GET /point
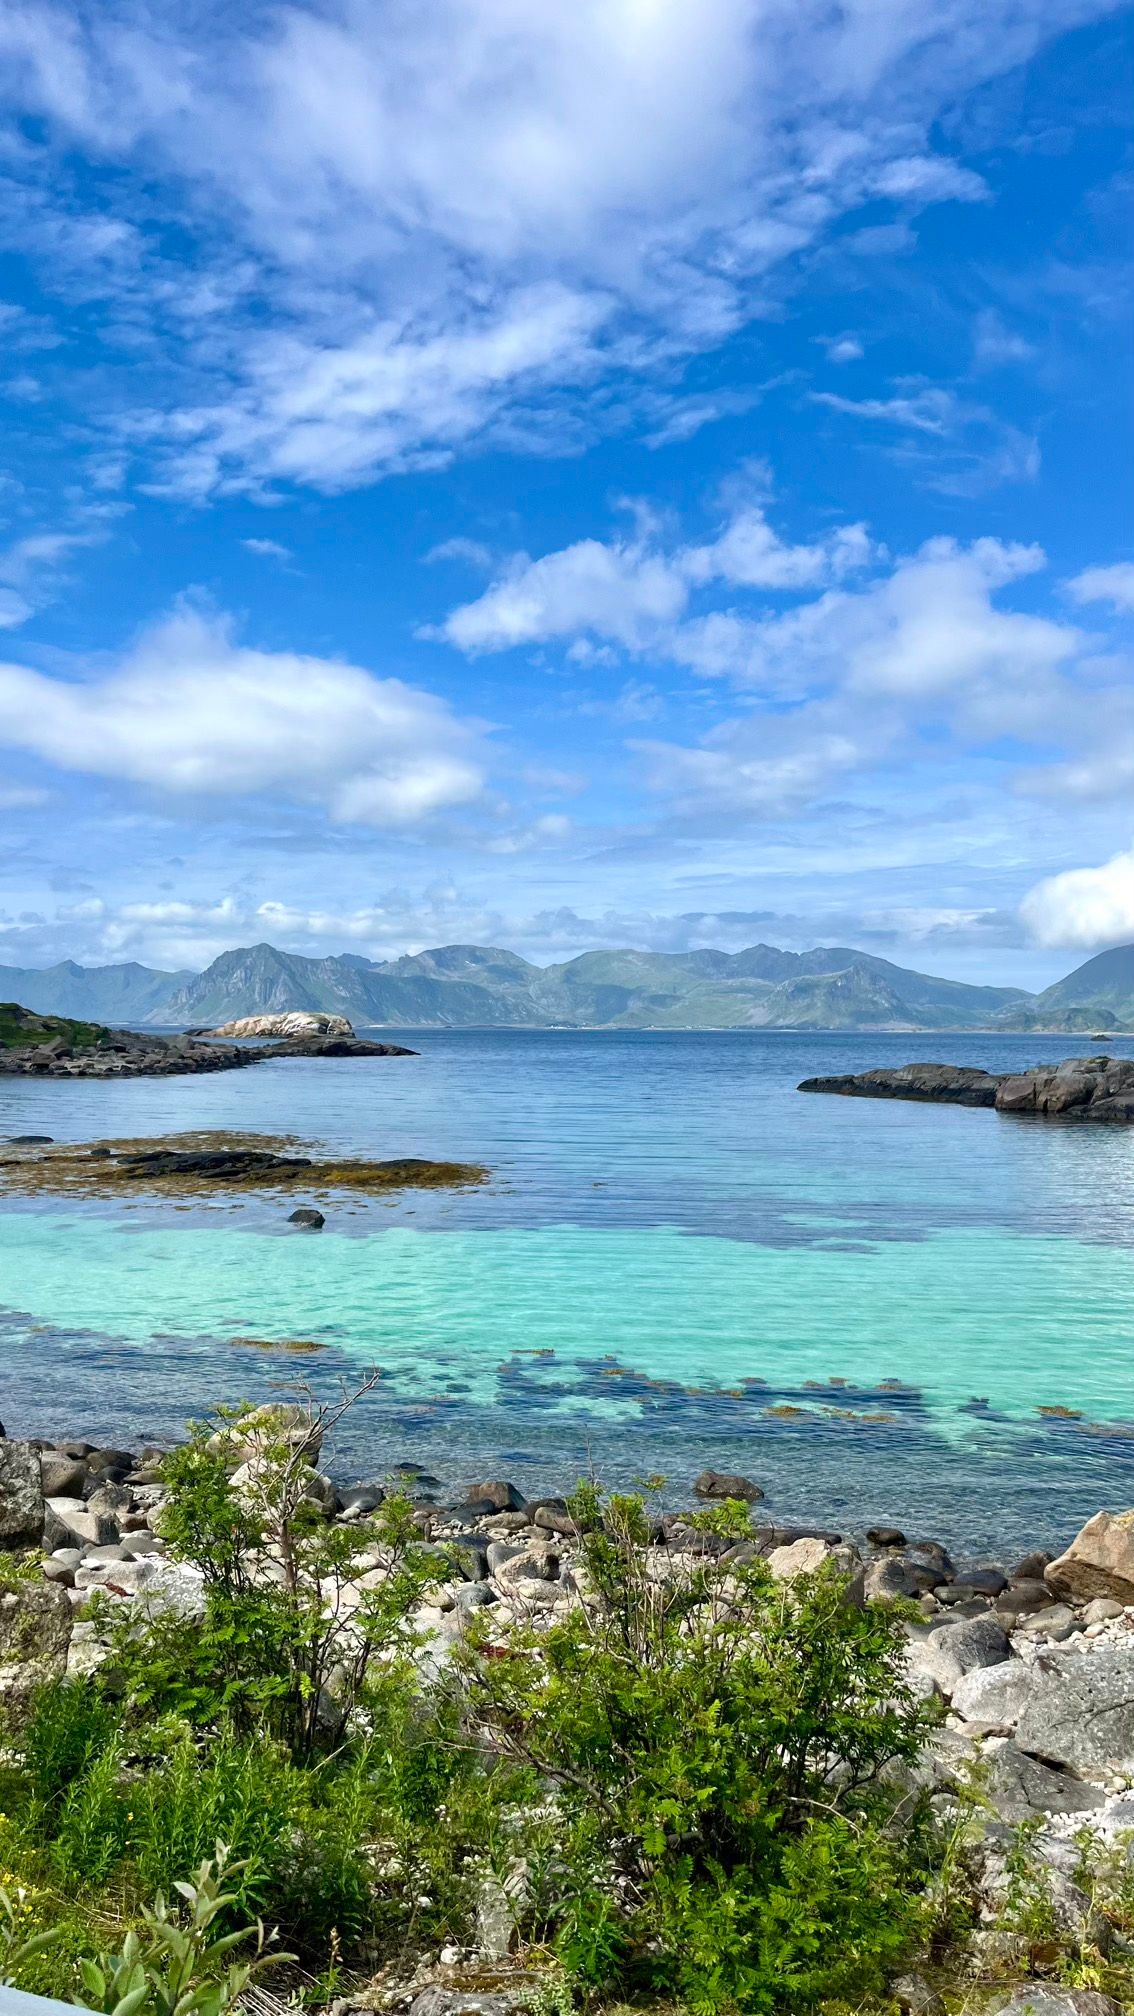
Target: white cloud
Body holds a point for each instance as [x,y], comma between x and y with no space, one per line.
[31,569]
[957,446]
[397,396]
[843,350]
[445,208]
[1113,584]
[930,178]
[1086,907]
[926,630]
[189,711]
[633,592]
[764,768]
[621,591]
[995,344]
[267,549]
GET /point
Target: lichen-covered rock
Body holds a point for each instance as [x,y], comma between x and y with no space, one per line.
[1099,1561]
[21,1495]
[975,1642]
[35,1632]
[296,1022]
[1038,1998]
[1080,1714]
[993,1698]
[1019,1787]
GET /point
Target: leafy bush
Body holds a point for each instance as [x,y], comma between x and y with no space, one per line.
[297,1609]
[715,1741]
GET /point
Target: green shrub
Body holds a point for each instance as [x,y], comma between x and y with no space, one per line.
[715,1741]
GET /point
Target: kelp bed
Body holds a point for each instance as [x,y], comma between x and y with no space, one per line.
[203,1164]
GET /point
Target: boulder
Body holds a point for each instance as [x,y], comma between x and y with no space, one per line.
[35,1632]
[1080,1713]
[915,1996]
[891,1578]
[1057,1621]
[523,1564]
[993,1698]
[976,1641]
[470,1554]
[77,1522]
[499,1496]
[808,1556]
[21,1495]
[61,1476]
[1019,1787]
[1038,1998]
[725,1484]
[1099,1561]
[360,1499]
[111,1459]
[953,1650]
[1024,1597]
[438,2001]
[307,1219]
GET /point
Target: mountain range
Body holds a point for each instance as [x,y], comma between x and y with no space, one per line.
[476,986]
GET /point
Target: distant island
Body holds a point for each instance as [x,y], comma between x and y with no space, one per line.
[477,986]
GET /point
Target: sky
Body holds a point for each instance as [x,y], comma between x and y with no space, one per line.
[647,472]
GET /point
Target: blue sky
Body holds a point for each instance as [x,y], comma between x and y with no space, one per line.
[636,473]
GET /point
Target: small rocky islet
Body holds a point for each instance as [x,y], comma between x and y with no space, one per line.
[57,1046]
[204,1163]
[1080,1089]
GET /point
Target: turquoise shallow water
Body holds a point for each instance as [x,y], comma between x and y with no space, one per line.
[679,1259]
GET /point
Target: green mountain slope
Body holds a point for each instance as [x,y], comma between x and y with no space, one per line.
[118,994]
[1097,995]
[484,986]
[477,986]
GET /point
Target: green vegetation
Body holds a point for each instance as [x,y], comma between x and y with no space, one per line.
[691,1789]
[21,1028]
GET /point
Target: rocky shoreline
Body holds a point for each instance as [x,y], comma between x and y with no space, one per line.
[1080,1089]
[1030,1663]
[125,1053]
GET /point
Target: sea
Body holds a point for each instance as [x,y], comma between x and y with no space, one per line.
[881,1312]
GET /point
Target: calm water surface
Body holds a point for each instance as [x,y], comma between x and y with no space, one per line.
[678,1260]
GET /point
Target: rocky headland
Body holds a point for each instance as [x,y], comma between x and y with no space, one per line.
[1099,1089]
[55,1046]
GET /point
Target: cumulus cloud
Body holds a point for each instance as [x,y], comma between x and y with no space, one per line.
[927,627]
[446,208]
[634,592]
[191,712]
[1085,907]
[1114,585]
